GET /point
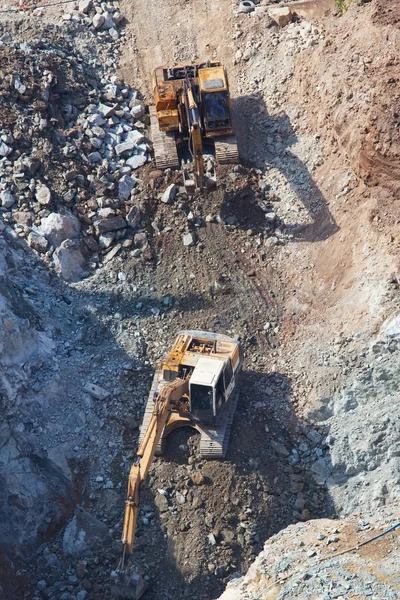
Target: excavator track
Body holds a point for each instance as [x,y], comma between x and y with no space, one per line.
[226,150]
[164,145]
[214,440]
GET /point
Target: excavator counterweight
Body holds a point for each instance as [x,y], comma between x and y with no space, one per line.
[191,122]
[195,386]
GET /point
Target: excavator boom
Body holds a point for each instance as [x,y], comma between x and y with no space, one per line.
[125,581]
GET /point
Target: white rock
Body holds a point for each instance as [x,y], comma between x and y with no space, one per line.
[136,161]
[188,239]
[43,195]
[113,33]
[124,147]
[169,194]
[135,137]
[98,21]
[85,6]
[108,21]
[69,260]
[56,227]
[7,198]
[125,186]
[4,149]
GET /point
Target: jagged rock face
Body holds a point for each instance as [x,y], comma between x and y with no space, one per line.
[362,464]
[34,492]
[299,562]
[23,345]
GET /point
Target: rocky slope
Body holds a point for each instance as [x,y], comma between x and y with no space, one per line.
[307,561]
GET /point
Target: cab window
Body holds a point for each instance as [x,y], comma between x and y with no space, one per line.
[201,400]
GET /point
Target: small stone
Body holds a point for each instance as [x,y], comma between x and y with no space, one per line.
[321,536]
[169,194]
[134,217]
[198,478]
[125,186]
[136,161]
[7,199]
[96,391]
[98,21]
[37,242]
[85,6]
[95,157]
[280,448]
[4,149]
[43,195]
[41,585]
[180,498]
[188,240]
[110,224]
[113,33]
[311,553]
[211,539]
[124,147]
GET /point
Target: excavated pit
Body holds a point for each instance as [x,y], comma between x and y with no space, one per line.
[276,255]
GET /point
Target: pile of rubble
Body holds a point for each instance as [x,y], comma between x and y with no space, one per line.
[70,144]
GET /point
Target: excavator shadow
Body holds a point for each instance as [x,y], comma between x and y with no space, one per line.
[271,147]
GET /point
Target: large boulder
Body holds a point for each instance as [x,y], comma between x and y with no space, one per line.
[70,260]
[84,534]
[35,496]
[58,227]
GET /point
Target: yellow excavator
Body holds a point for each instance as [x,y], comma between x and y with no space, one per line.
[191,122]
[195,386]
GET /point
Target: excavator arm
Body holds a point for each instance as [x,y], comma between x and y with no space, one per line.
[125,582]
[195,133]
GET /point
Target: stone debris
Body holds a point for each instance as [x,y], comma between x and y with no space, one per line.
[96,391]
[102,141]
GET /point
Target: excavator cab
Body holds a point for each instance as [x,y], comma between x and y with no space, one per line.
[210,387]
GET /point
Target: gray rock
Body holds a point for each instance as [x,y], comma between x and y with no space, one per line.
[70,260]
[43,195]
[134,217]
[85,6]
[37,242]
[4,149]
[169,194]
[96,391]
[105,110]
[113,33]
[135,137]
[7,199]
[96,120]
[108,21]
[110,224]
[180,498]
[280,448]
[95,157]
[98,21]
[124,147]
[125,186]
[136,161]
[84,535]
[321,470]
[59,227]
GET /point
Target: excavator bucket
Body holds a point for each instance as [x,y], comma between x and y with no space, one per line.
[127,584]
